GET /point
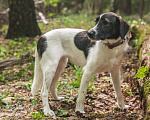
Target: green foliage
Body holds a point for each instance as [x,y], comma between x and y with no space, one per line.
[78,74]
[142,72]
[135,30]
[1,101]
[138,35]
[82,20]
[37,115]
[9,104]
[61,85]
[34,100]
[16,96]
[51,14]
[52,2]
[3,51]
[148,54]
[2,78]
[68,99]
[62,113]
[28,86]
[16,47]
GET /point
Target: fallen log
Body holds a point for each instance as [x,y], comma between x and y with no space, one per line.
[18,60]
[145,83]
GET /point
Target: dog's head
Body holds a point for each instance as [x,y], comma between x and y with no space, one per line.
[108,26]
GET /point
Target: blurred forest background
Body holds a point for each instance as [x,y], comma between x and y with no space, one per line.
[22,22]
[51,8]
[18,10]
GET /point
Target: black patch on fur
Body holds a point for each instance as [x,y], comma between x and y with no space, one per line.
[107,27]
[83,43]
[41,46]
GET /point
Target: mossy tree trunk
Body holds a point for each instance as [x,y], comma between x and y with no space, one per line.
[22,19]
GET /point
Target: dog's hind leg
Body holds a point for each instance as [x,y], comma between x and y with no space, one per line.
[38,76]
[60,68]
[49,68]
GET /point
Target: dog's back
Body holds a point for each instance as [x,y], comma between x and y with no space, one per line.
[99,49]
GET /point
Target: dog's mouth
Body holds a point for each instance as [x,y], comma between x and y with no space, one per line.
[93,36]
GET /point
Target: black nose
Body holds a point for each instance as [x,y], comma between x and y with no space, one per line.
[91,33]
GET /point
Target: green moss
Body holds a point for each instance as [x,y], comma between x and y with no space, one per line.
[135,31]
[139,34]
[140,44]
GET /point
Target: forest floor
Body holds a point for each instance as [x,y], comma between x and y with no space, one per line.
[100,104]
[16,101]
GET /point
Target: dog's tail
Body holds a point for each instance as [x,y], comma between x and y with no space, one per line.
[38,76]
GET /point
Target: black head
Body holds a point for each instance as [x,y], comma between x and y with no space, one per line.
[108,26]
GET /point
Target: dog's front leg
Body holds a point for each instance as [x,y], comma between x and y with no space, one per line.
[82,91]
[115,74]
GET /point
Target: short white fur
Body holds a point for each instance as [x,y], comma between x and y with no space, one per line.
[60,48]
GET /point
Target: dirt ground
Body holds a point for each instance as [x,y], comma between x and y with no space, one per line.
[100,103]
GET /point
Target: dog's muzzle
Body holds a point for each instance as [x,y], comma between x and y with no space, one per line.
[93,35]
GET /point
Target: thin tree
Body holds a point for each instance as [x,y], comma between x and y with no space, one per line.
[22,19]
[141,8]
[125,7]
[114,5]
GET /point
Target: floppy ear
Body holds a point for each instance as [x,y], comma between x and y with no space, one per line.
[96,20]
[124,28]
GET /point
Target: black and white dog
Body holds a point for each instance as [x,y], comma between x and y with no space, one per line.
[99,49]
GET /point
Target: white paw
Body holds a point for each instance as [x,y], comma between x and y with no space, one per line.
[32,92]
[49,113]
[124,106]
[127,106]
[115,96]
[80,111]
[60,98]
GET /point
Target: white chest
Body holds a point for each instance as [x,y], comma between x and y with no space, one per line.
[105,59]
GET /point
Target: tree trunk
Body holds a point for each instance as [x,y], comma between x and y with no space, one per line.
[22,19]
[125,7]
[93,7]
[114,5]
[141,8]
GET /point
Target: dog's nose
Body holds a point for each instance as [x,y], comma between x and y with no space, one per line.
[91,33]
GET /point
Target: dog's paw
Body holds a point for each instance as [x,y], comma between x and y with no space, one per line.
[126,106]
[49,113]
[32,92]
[60,98]
[122,107]
[79,111]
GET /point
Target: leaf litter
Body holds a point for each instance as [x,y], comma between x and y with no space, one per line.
[100,103]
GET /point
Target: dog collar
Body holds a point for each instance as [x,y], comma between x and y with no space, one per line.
[120,41]
[112,45]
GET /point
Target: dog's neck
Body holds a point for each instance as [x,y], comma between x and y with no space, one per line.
[112,43]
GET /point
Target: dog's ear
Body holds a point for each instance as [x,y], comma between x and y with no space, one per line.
[124,28]
[96,20]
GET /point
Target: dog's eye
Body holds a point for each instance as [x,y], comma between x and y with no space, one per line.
[105,22]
